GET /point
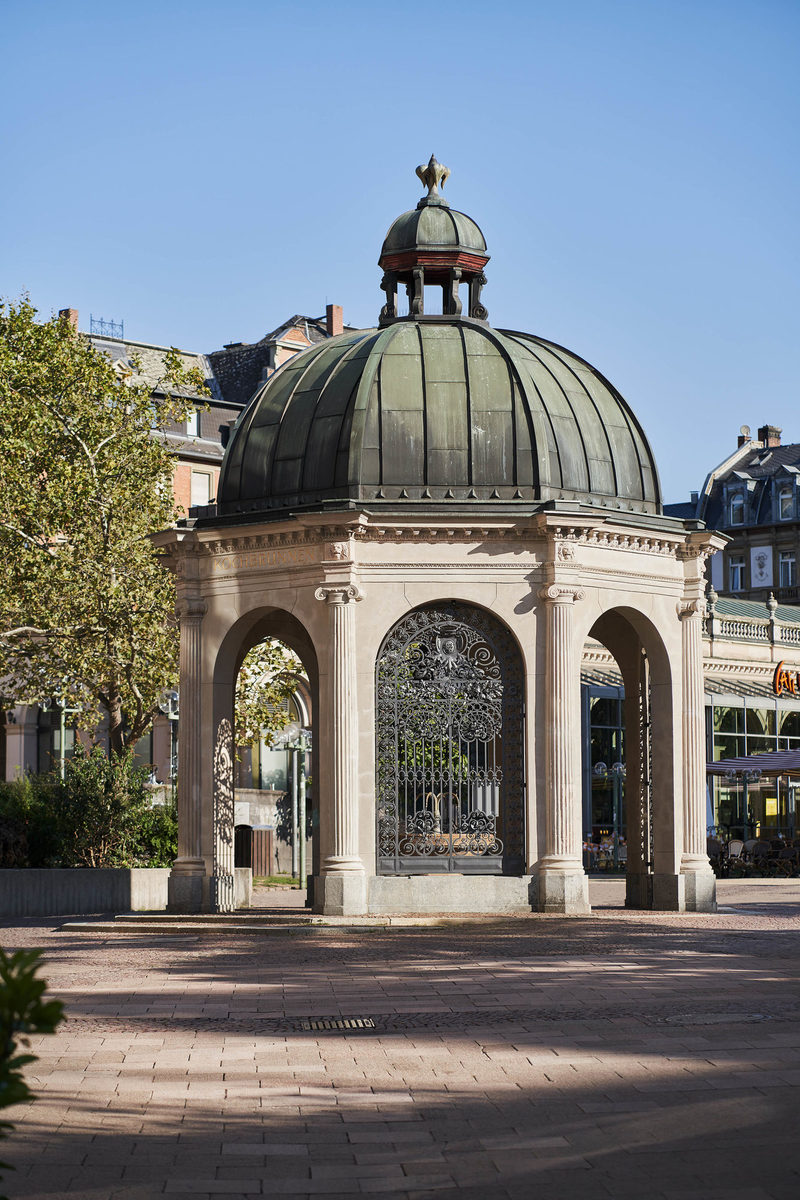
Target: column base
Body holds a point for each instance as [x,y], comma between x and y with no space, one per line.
[638,890]
[669,893]
[700,890]
[559,891]
[186,891]
[341,894]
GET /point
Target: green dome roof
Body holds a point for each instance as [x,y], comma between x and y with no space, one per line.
[437,412]
[433,227]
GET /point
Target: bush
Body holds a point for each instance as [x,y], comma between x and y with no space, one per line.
[23,1010]
[99,815]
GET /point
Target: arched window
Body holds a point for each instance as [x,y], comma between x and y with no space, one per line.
[785,504]
[737,509]
[449,724]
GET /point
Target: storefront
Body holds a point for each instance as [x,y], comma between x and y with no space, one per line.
[752,706]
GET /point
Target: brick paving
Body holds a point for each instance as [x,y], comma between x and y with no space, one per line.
[622,1055]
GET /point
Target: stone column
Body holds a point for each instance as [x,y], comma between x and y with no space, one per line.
[562,885]
[188,870]
[700,884]
[343,879]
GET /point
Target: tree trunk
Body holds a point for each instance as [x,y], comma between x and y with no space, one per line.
[116,731]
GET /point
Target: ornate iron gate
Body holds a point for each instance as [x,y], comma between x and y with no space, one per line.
[449,723]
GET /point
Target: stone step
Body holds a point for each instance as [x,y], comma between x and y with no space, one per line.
[200,924]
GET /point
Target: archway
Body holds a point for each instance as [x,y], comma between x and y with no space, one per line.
[203,874]
[449,744]
[643,810]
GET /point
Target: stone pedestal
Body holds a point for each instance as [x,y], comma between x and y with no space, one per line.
[561,883]
[341,888]
[700,883]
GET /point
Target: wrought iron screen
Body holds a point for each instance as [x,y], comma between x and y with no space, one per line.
[449,721]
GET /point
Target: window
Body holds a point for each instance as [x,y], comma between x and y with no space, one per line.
[787,569]
[737,509]
[201,488]
[736,573]
[785,504]
[193,424]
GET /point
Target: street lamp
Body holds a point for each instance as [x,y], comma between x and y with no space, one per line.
[169,705]
[297,739]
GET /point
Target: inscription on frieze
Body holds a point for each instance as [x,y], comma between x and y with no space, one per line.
[259,558]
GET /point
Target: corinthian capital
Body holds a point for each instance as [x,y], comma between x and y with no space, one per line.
[339,593]
[557,593]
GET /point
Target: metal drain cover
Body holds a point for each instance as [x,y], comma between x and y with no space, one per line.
[318,1023]
[729,1018]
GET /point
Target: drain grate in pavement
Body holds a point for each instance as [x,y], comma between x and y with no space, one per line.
[317,1024]
[717,1018]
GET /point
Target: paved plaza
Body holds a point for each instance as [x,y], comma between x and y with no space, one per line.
[626,1054]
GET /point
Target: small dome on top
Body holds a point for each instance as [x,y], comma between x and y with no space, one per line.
[438,227]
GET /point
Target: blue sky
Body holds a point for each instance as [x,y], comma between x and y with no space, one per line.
[203,171]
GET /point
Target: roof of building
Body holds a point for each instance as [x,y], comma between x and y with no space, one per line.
[435,410]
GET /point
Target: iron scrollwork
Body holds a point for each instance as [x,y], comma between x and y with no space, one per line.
[449,744]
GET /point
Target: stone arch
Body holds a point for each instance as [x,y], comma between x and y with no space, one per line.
[217,817]
[650,670]
[449,727]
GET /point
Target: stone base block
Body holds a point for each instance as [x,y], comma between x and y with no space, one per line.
[700,890]
[447,893]
[185,893]
[564,892]
[669,893]
[638,890]
[341,895]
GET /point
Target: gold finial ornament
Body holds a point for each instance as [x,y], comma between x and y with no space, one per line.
[433,177]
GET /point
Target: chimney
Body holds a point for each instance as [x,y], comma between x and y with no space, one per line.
[770,435]
[71,316]
[333,319]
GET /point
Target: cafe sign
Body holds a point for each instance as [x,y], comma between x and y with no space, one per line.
[785,680]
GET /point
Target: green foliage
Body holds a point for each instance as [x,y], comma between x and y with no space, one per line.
[86,610]
[266,682]
[23,1011]
[100,815]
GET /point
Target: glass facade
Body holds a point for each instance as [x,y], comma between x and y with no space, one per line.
[763,808]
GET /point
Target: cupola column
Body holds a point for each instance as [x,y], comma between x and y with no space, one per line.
[700,884]
[562,885]
[343,878]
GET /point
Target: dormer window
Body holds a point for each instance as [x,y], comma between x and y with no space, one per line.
[193,424]
[737,509]
[785,504]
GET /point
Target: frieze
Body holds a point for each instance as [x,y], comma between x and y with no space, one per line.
[267,556]
[609,539]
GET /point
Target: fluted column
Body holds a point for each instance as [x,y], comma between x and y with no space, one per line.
[343,732]
[700,886]
[190,747]
[562,884]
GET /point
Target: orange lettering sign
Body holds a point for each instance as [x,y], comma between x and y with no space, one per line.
[785,681]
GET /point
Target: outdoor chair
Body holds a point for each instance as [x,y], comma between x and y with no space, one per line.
[785,863]
[760,857]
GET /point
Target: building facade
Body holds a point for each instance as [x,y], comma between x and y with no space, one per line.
[753,498]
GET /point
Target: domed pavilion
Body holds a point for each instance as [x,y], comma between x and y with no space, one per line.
[436,515]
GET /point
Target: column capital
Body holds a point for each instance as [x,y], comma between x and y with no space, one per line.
[557,593]
[191,606]
[690,608]
[339,593]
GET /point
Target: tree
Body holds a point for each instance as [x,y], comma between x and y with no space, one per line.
[267,680]
[24,1010]
[86,610]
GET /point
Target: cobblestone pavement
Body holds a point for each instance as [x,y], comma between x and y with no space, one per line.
[623,1055]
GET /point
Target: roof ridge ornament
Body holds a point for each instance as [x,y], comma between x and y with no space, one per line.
[433,177]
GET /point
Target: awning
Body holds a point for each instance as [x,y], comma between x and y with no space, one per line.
[776,762]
